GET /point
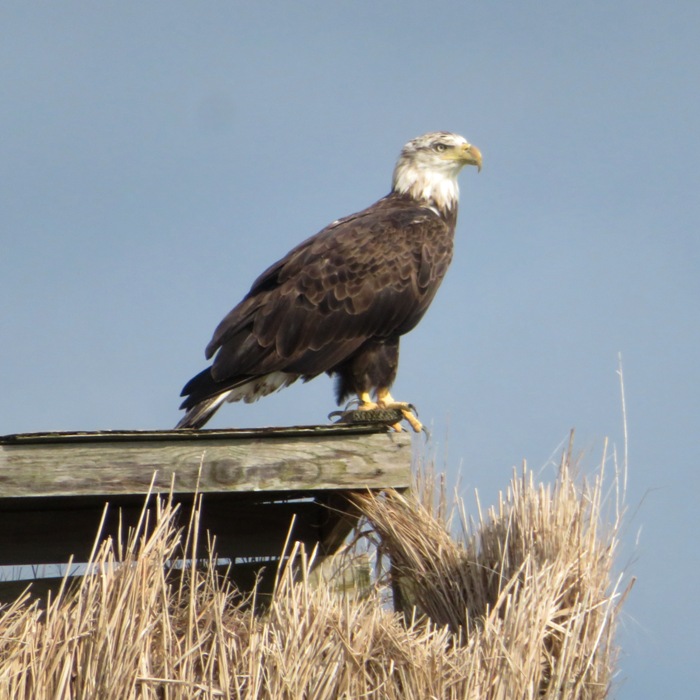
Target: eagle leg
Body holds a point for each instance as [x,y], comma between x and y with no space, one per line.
[365,402]
[381,407]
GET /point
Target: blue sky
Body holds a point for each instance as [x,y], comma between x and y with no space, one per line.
[155,157]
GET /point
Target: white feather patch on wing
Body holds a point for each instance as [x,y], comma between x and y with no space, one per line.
[260,386]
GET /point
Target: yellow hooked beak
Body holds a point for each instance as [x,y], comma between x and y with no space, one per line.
[469,155]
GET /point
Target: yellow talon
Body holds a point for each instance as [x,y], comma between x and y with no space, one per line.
[386,400]
[366,403]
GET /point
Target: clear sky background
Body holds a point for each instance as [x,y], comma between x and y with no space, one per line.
[155,157]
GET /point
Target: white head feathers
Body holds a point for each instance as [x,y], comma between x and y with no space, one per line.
[428,166]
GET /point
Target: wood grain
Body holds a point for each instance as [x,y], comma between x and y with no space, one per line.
[84,464]
[54,487]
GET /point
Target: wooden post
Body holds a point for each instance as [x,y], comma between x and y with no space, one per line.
[53,486]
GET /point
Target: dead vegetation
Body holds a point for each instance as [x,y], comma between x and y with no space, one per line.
[522,604]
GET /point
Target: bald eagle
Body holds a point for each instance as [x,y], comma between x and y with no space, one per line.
[340,301]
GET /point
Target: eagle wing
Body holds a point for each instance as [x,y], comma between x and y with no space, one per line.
[370,275]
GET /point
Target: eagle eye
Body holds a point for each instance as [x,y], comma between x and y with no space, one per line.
[440,147]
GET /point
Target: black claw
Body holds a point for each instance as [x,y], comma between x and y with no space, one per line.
[344,416]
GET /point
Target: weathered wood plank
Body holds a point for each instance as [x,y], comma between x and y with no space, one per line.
[123,462]
[53,487]
[306,431]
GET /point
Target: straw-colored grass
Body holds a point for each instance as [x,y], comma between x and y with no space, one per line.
[522,605]
[527,593]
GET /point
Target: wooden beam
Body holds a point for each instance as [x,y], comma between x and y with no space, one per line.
[123,462]
[54,486]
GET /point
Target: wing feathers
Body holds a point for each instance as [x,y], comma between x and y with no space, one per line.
[371,275]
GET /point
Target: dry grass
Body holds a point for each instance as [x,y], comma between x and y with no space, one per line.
[521,606]
[527,593]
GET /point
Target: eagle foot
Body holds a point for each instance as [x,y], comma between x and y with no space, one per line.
[386,410]
[408,413]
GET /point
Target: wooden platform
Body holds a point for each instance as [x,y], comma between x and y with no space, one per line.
[54,486]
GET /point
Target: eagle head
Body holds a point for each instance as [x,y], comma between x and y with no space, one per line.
[428,166]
